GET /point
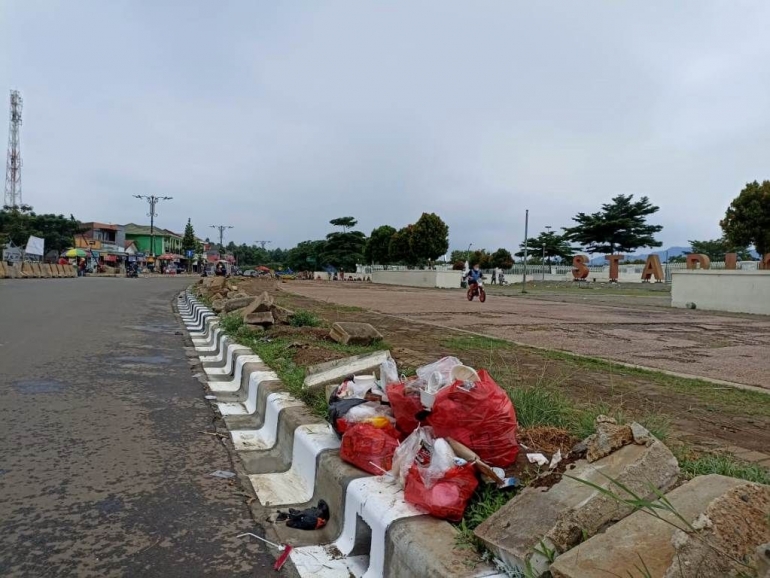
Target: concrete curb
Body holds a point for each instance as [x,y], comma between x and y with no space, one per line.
[291,458]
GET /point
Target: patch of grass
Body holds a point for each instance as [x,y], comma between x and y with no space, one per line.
[304,318]
[473,342]
[352,349]
[205,300]
[231,323]
[693,464]
[541,406]
[745,402]
[486,500]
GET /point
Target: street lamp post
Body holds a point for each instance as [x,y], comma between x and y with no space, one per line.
[526,233]
[152,200]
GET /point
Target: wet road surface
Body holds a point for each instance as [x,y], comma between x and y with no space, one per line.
[103,471]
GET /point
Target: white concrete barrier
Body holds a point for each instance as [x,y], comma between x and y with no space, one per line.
[419,278]
[726,290]
[297,485]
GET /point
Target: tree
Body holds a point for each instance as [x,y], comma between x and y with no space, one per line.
[344,249]
[430,237]
[344,222]
[621,226]
[18,223]
[556,247]
[716,249]
[747,220]
[306,255]
[377,248]
[482,258]
[400,247]
[502,259]
[189,242]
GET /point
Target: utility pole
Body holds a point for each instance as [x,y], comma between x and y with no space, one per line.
[548,232]
[221,229]
[263,243]
[526,233]
[13,163]
[152,200]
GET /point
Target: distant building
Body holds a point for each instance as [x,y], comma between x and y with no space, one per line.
[165,241]
[106,242]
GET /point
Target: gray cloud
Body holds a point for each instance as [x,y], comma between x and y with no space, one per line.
[276,117]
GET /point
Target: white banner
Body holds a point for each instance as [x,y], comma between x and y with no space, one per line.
[35,246]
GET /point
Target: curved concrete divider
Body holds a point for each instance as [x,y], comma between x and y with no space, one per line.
[297,485]
[206,328]
[249,405]
[378,502]
[211,335]
[234,385]
[292,458]
[266,436]
[200,324]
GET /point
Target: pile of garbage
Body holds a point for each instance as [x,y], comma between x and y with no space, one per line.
[435,433]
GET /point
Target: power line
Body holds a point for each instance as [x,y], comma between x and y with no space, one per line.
[13,163]
[152,200]
[221,229]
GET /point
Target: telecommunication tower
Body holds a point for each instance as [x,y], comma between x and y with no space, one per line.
[13,164]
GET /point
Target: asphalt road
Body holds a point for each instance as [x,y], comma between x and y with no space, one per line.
[102,469]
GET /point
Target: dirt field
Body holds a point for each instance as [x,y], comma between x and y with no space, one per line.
[704,415]
[631,329]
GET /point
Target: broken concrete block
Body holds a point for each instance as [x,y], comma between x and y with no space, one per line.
[349,333]
[238,303]
[217,283]
[540,520]
[218,305]
[609,437]
[260,303]
[260,318]
[281,315]
[734,523]
[640,537]
[335,371]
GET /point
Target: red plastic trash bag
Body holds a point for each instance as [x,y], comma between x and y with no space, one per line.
[479,415]
[405,406]
[447,498]
[369,448]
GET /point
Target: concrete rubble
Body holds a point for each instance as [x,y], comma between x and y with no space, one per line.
[263,318]
[349,333]
[237,303]
[336,371]
[540,522]
[719,537]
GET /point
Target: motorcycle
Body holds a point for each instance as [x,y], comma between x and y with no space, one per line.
[477,289]
[132,272]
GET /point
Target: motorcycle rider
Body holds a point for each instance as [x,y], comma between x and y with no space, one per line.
[473,276]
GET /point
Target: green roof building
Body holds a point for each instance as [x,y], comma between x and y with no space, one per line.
[165,241]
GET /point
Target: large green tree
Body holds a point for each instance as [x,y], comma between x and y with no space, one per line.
[747,220]
[620,227]
[344,249]
[501,258]
[557,247]
[17,224]
[430,237]
[307,255]
[377,248]
[400,247]
[716,249]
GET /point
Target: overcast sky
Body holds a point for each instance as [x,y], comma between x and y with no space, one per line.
[275,117]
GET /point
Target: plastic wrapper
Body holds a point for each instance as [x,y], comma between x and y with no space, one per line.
[434,376]
[479,415]
[448,497]
[338,410]
[388,373]
[442,460]
[369,448]
[405,403]
[407,452]
[371,411]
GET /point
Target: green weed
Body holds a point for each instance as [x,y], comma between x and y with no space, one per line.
[693,465]
[304,318]
[474,343]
